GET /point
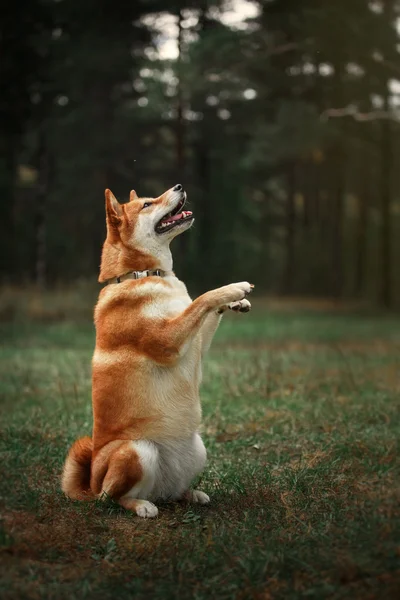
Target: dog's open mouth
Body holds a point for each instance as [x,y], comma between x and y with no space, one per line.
[175,217]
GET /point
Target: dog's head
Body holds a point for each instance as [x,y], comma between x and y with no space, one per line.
[140,231]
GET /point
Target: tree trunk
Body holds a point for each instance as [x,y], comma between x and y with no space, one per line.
[386,172]
[316,194]
[40,212]
[180,123]
[361,238]
[386,237]
[337,233]
[7,193]
[206,212]
[102,168]
[203,167]
[182,241]
[306,190]
[290,230]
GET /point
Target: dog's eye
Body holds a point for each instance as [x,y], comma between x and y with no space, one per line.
[146,204]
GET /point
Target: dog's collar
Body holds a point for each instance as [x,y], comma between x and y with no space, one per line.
[138,275]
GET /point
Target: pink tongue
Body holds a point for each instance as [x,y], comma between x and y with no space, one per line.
[177,217]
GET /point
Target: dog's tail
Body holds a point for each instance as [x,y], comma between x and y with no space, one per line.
[75,481]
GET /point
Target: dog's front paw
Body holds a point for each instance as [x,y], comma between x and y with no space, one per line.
[242,306]
[233,292]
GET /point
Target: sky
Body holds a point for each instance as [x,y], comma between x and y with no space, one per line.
[234,15]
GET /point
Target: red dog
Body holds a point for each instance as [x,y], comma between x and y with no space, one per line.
[150,339]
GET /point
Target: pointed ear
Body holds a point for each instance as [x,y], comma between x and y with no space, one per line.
[132,196]
[114,210]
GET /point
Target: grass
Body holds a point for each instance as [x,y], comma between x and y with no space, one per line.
[301,423]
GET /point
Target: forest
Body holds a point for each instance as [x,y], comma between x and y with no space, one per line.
[283,127]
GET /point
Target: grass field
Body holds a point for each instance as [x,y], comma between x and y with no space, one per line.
[301,423]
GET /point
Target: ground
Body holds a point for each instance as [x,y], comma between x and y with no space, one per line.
[301,424]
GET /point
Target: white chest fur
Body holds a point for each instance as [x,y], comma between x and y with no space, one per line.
[174,389]
[167,302]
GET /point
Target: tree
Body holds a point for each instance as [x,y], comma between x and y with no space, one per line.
[23,26]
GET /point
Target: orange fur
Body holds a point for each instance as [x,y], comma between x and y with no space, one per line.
[118,255]
[76,475]
[115,469]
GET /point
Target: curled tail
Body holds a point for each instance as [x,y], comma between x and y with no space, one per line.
[75,481]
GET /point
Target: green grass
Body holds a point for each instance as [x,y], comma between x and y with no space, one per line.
[301,423]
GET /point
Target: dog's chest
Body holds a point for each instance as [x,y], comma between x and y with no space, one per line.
[168,303]
[184,376]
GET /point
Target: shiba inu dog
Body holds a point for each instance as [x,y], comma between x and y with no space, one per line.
[150,340]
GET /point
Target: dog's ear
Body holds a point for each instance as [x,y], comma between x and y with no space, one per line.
[132,196]
[114,211]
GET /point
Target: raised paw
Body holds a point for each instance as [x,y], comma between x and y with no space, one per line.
[244,286]
[145,509]
[234,292]
[242,306]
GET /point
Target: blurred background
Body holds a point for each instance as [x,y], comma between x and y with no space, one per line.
[280,118]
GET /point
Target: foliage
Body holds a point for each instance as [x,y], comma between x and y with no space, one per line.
[285,192]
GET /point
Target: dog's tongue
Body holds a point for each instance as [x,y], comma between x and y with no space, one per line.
[181,215]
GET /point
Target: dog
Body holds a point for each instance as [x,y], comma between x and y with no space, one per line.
[147,363]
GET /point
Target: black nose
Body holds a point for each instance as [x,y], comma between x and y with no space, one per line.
[178,188]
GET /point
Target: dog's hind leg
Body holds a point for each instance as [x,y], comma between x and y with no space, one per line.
[135,498]
[200,457]
[128,473]
[143,508]
[196,497]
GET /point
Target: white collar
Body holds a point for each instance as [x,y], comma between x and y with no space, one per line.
[139,275]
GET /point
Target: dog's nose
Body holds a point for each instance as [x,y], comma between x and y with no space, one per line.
[178,188]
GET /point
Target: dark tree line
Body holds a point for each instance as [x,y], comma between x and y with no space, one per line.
[284,131]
